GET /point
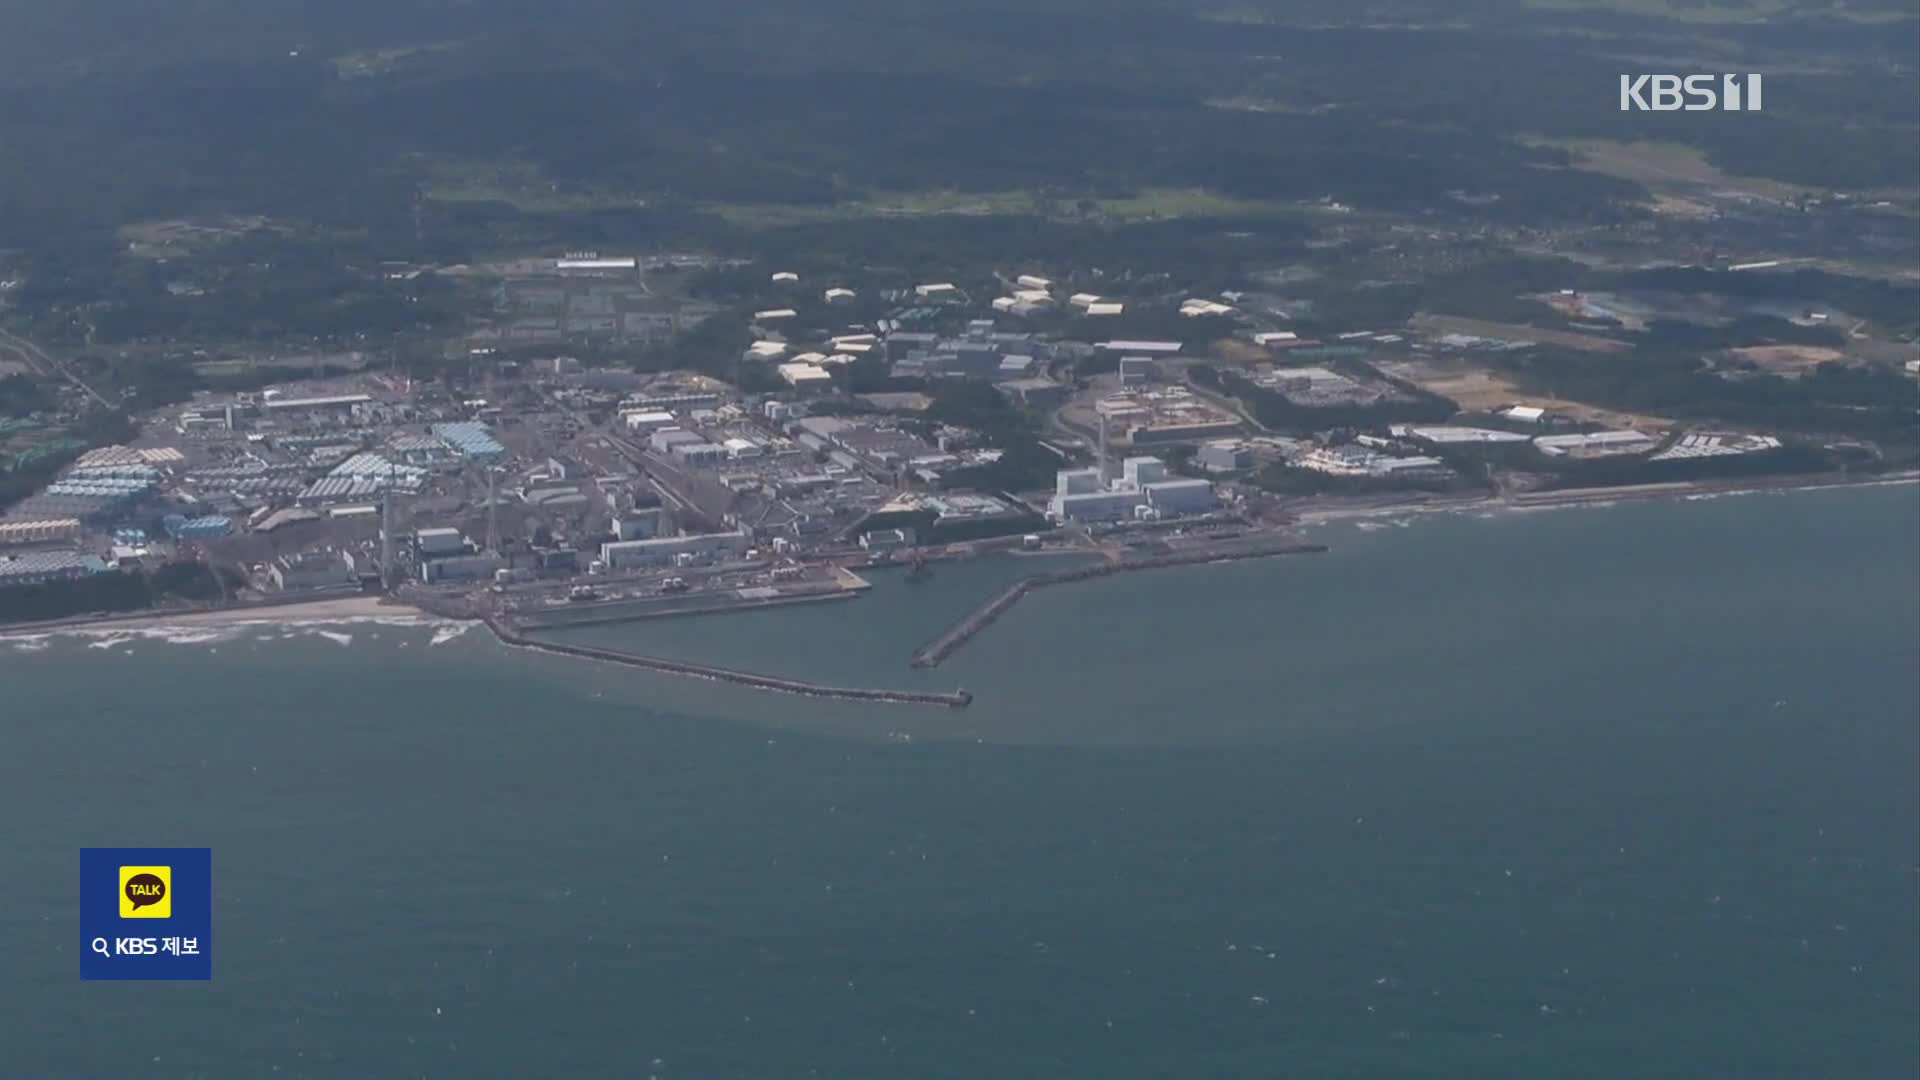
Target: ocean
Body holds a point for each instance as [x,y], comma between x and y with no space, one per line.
[1627,791]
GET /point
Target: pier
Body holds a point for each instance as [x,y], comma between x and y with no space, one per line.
[937,650]
[510,636]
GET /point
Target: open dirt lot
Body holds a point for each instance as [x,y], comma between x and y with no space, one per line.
[1455,324]
[1479,390]
[1788,359]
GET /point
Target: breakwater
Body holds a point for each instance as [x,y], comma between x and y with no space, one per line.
[510,636]
[622,611]
[937,650]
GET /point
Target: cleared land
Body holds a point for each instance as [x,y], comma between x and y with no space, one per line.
[1476,389]
[1667,167]
[1455,324]
[1788,359]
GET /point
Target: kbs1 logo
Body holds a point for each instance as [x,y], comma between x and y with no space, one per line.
[1691,93]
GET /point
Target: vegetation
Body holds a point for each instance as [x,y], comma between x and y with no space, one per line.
[1833,398]
[393,132]
[1276,411]
[1635,469]
[114,591]
[18,480]
[1025,465]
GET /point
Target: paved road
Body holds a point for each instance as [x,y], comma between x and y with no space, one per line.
[47,365]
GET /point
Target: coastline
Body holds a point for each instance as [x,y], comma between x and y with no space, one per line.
[317,610]
[1363,508]
[1304,514]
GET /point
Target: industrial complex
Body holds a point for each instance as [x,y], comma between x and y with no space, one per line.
[550,491]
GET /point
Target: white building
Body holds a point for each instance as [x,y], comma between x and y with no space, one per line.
[1594,442]
[590,261]
[435,542]
[1357,461]
[460,568]
[1076,481]
[1137,472]
[839,296]
[936,290]
[799,375]
[1180,496]
[629,554]
[1095,506]
[1033,282]
[312,570]
[786,277]
[1105,309]
[1143,348]
[1526,414]
[1196,307]
[774,315]
[646,423]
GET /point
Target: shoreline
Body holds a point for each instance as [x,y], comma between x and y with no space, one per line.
[317,610]
[1310,516]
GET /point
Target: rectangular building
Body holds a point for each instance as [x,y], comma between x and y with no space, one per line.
[705,547]
[1180,496]
[1141,471]
[435,542]
[637,524]
[460,568]
[1095,506]
[1223,456]
[1076,481]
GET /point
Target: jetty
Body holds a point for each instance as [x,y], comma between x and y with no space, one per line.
[510,636]
[937,650]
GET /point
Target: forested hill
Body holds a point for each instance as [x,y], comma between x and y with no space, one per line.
[344,111]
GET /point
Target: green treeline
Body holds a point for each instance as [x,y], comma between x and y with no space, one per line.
[1279,413]
[114,591]
[1833,398]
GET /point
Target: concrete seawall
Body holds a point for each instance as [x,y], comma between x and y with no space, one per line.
[510,636]
[624,612]
[937,650]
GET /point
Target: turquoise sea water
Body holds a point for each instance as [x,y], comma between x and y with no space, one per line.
[1631,791]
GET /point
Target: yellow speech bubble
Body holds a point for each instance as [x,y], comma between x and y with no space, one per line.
[146,892]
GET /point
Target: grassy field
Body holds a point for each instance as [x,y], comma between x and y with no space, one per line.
[1154,204]
[1665,166]
[1477,389]
[526,189]
[521,186]
[1433,323]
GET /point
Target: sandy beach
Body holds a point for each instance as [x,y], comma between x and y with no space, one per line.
[332,609]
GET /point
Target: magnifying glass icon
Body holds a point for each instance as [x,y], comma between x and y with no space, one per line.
[100,946]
